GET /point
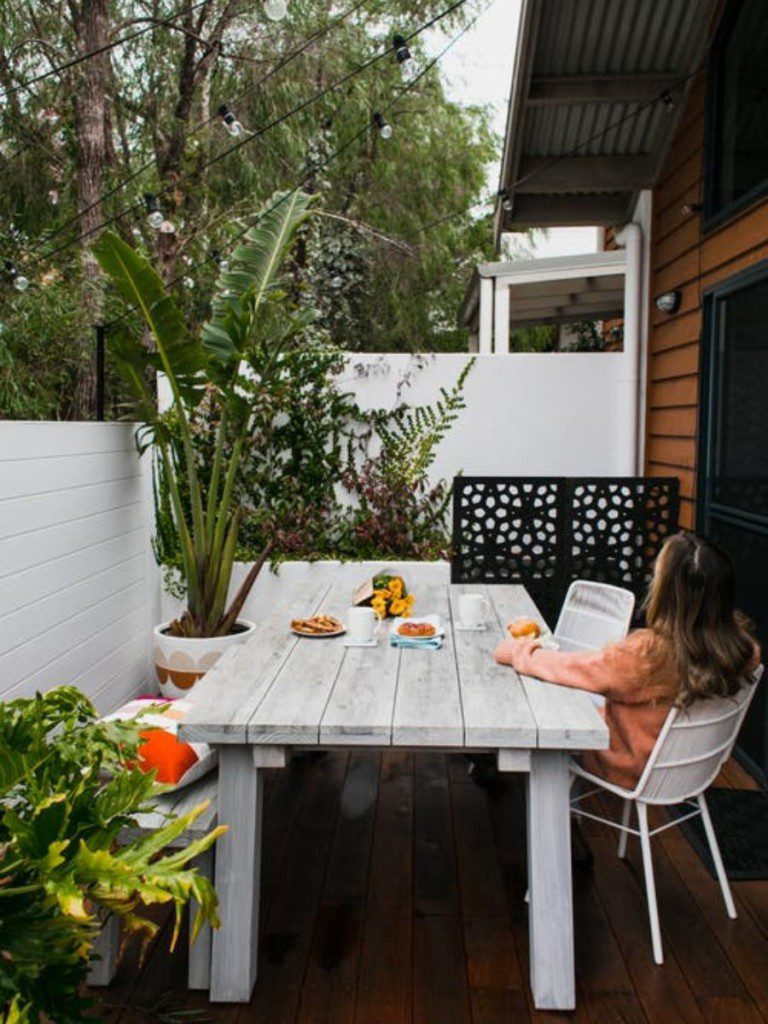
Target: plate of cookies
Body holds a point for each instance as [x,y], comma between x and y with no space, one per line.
[318,627]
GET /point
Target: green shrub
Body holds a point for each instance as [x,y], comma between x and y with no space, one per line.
[67,791]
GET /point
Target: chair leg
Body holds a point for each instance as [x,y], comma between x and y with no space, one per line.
[199,972]
[714,849]
[650,883]
[626,811]
[103,965]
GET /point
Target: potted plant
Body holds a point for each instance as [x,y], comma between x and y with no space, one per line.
[251,325]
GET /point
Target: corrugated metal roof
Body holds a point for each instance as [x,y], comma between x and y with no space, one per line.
[571,52]
[595,37]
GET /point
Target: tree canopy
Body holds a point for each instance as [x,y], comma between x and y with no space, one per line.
[146,113]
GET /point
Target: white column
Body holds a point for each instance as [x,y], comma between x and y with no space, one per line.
[631,238]
[486,315]
[501,319]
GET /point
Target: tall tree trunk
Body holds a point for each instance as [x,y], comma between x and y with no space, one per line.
[91,23]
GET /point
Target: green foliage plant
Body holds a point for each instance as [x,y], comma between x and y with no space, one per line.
[251,326]
[67,792]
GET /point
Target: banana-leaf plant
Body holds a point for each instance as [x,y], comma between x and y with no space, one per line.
[251,324]
[67,792]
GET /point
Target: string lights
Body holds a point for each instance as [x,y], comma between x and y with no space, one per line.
[20,282]
[275,10]
[385,129]
[402,55]
[154,213]
[230,122]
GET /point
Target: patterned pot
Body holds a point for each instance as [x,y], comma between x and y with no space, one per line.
[181,661]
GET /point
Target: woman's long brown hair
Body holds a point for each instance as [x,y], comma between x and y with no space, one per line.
[691,604]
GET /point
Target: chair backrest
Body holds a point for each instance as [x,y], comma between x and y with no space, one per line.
[693,746]
[593,615]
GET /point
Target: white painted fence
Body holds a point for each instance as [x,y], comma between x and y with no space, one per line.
[553,414]
[78,587]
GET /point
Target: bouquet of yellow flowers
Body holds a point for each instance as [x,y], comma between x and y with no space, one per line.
[390,597]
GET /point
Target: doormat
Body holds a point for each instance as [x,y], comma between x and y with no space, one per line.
[740,818]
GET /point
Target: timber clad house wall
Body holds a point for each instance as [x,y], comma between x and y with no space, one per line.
[686,256]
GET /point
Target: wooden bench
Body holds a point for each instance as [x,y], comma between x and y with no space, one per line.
[106,949]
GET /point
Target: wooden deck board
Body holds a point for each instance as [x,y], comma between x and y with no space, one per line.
[393,894]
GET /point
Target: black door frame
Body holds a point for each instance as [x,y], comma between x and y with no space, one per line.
[712,338]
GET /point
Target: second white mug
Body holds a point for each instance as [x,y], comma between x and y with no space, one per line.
[473,609]
[360,624]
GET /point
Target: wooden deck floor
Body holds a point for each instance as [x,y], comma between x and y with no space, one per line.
[393,892]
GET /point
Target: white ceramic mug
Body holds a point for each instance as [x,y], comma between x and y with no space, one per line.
[360,624]
[473,609]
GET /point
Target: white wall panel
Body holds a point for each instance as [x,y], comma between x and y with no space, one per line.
[77,579]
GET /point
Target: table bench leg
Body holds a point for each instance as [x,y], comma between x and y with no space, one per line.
[238,877]
[550,906]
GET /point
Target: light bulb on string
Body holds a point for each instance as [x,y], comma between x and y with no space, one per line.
[402,55]
[20,282]
[275,10]
[337,282]
[506,200]
[154,214]
[189,282]
[233,126]
[167,228]
[385,129]
[221,261]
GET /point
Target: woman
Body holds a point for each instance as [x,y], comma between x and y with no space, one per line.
[696,645]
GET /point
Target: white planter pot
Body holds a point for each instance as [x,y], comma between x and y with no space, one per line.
[181,661]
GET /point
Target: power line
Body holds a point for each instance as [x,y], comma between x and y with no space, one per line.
[149,164]
[258,133]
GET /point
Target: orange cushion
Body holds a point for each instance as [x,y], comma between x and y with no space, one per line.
[162,751]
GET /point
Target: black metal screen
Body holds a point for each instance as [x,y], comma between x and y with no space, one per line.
[546,532]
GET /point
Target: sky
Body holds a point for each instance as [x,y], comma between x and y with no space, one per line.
[478,69]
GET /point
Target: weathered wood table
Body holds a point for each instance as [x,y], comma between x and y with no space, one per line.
[280,692]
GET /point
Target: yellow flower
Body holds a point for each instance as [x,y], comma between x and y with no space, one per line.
[398,606]
[382,592]
[409,600]
[379,605]
[396,587]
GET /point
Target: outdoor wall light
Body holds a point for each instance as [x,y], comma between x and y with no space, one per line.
[668,302]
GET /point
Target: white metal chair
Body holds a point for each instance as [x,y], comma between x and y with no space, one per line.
[691,749]
[593,615]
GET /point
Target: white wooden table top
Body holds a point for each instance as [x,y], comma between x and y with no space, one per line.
[279,689]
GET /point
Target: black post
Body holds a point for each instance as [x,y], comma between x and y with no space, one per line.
[100,370]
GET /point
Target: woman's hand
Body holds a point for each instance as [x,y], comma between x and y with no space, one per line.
[515,652]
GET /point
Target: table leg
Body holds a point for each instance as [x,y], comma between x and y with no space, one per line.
[238,877]
[550,907]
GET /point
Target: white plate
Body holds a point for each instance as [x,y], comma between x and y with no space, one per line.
[318,636]
[433,620]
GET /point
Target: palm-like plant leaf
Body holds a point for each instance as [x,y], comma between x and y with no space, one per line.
[252,274]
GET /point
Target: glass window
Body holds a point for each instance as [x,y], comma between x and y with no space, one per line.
[740,469]
[738,158]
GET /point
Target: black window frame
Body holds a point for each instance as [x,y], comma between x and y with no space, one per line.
[713,324]
[715,217]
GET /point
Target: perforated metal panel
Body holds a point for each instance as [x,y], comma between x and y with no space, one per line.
[546,532]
